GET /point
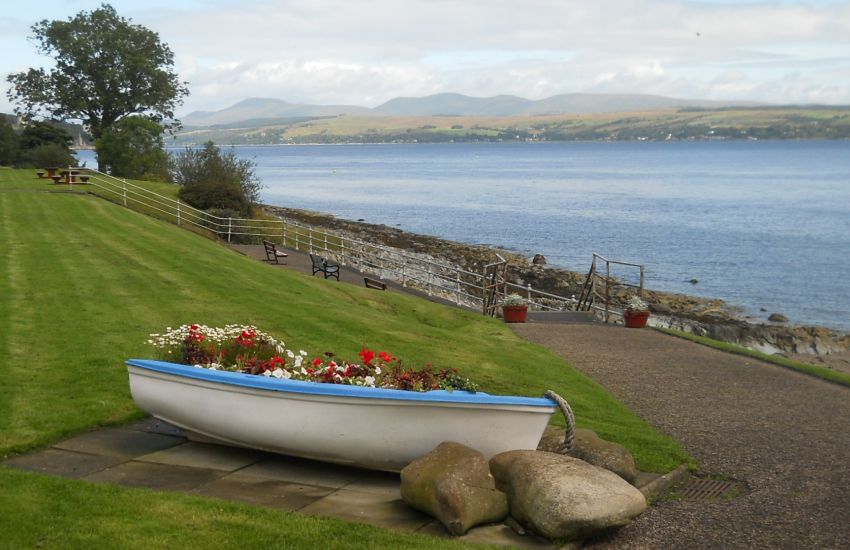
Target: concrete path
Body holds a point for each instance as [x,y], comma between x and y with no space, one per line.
[786,435]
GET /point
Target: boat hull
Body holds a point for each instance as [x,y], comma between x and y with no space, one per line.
[365,427]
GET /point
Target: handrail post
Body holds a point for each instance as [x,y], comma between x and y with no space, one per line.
[403,266]
[178,212]
[430,285]
[283,232]
[342,250]
[229,228]
[125,193]
[640,290]
[607,288]
[310,238]
[457,293]
[528,291]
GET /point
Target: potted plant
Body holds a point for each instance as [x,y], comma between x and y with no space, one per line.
[636,313]
[514,309]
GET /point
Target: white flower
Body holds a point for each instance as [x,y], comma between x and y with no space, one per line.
[303,353]
[214,366]
[198,366]
[267,373]
[369,381]
[279,349]
[304,371]
[290,354]
[377,370]
[277,373]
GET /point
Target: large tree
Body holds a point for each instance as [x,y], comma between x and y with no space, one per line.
[106,68]
[133,148]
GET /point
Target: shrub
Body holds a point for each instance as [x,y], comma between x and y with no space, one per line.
[211,195]
[50,154]
[212,178]
[133,148]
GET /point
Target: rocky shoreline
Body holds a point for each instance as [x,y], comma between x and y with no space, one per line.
[713,318]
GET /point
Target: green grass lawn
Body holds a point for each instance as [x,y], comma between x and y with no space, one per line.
[83,282]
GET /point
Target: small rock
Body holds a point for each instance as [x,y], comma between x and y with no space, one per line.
[564,498]
[539,259]
[453,484]
[694,281]
[777,318]
[592,449]
[661,308]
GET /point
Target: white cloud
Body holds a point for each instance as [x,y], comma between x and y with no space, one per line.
[366,52]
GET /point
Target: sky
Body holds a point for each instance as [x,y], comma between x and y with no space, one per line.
[367,52]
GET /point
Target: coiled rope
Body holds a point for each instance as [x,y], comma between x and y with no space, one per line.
[568,416]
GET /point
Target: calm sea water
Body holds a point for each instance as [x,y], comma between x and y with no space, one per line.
[759,224]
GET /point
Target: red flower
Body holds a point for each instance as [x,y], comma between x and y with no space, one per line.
[385,357]
[367,355]
[316,362]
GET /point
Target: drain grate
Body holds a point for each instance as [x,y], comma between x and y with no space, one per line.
[706,489]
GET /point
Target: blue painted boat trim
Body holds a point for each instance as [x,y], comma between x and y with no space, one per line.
[339,390]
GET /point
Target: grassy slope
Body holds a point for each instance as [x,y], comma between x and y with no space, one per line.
[82,282]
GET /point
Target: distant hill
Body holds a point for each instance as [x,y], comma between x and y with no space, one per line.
[254,110]
[454,104]
[265,108]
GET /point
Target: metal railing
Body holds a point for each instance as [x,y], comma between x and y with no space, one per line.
[459,286]
[598,286]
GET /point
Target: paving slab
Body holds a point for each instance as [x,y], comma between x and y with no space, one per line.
[119,442]
[155,476]
[59,462]
[306,472]
[381,510]
[206,456]
[157,426]
[497,534]
[379,483]
[265,492]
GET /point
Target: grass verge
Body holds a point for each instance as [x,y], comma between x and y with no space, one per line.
[813,370]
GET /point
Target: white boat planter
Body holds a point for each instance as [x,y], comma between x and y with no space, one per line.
[373,428]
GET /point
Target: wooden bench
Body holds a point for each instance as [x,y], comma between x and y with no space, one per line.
[372,283]
[321,265]
[273,255]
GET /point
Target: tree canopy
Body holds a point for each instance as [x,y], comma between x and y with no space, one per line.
[106,68]
[133,148]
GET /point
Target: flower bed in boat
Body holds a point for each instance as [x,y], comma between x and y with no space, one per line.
[246,349]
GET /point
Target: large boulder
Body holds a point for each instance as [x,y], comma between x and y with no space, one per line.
[453,484]
[592,449]
[562,497]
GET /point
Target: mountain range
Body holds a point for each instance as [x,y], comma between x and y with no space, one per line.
[451,104]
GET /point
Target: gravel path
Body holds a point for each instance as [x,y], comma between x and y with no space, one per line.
[785,434]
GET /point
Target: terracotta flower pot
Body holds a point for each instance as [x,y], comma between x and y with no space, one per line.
[515,314]
[635,319]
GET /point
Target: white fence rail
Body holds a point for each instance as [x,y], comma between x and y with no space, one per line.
[461,287]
